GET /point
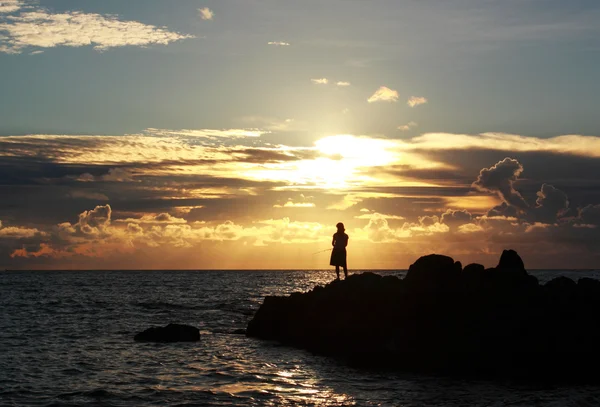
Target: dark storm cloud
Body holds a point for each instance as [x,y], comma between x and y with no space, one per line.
[500,179]
[455,176]
[455,218]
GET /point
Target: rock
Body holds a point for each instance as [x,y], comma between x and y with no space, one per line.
[432,271]
[239,332]
[473,268]
[441,320]
[169,333]
[510,260]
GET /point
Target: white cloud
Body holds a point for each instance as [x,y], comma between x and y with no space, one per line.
[208,133]
[342,83]
[568,144]
[416,101]
[17,232]
[206,13]
[371,215]
[408,126]
[320,81]
[76,29]
[279,43]
[10,6]
[290,204]
[384,94]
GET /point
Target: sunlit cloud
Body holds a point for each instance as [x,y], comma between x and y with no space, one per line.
[17,232]
[372,215]
[568,144]
[208,133]
[10,6]
[290,204]
[408,126]
[414,101]
[205,13]
[320,81]
[384,94]
[42,29]
[279,43]
[343,84]
[274,124]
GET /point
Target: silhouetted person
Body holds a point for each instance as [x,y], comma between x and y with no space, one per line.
[338,254]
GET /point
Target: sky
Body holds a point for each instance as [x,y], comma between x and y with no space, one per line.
[235,134]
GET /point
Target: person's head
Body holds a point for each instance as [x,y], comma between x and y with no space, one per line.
[340,227]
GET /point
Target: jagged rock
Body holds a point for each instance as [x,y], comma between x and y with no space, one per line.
[169,333]
[498,321]
[510,260]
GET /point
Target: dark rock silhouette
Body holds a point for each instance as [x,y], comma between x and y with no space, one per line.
[169,333]
[441,319]
[510,260]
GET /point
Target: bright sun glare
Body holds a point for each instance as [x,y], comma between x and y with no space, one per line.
[341,164]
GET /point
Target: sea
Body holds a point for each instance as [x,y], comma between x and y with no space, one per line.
[66,339]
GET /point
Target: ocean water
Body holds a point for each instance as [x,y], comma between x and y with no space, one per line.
[66,339]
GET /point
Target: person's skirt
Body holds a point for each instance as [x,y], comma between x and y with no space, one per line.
[338,257]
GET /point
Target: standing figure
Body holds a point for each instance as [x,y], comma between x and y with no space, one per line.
[338,254]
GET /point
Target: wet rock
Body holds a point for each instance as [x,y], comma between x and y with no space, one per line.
[169,333]
[443,320]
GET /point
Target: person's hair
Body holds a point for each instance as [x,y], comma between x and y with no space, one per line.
[340,226]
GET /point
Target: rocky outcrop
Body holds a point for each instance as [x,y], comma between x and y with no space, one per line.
[169,333]
[442,319]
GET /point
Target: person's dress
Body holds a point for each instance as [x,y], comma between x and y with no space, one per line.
[338,254]
[338,257]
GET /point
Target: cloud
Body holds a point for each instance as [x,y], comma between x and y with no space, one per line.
[384,94]
[372,215]
[42,29]
[567,144]
[207,133]
[114,175]
[274,124]
[279,43]
[590,215]
[290,204]
[499,179]
[10,6]
[17,232]
[414,101]
[161,218]
[320,81]
[206,13]
[407,126]
[551,204]
[456,218]
[95,196]
[342,83]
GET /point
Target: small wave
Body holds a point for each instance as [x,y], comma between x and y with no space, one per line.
[167,305]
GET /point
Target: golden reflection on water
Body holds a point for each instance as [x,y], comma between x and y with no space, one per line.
[297,389]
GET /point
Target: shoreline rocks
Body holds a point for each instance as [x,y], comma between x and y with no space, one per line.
[443,319]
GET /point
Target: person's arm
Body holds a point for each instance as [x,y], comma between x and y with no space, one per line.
[333,241]
[347,238]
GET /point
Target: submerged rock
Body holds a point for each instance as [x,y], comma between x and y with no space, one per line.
[443,320]
[169,333]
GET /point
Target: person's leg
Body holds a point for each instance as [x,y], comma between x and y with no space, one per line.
[337,271]
[345,271]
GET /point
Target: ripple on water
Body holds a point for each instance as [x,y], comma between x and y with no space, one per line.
[66,339]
